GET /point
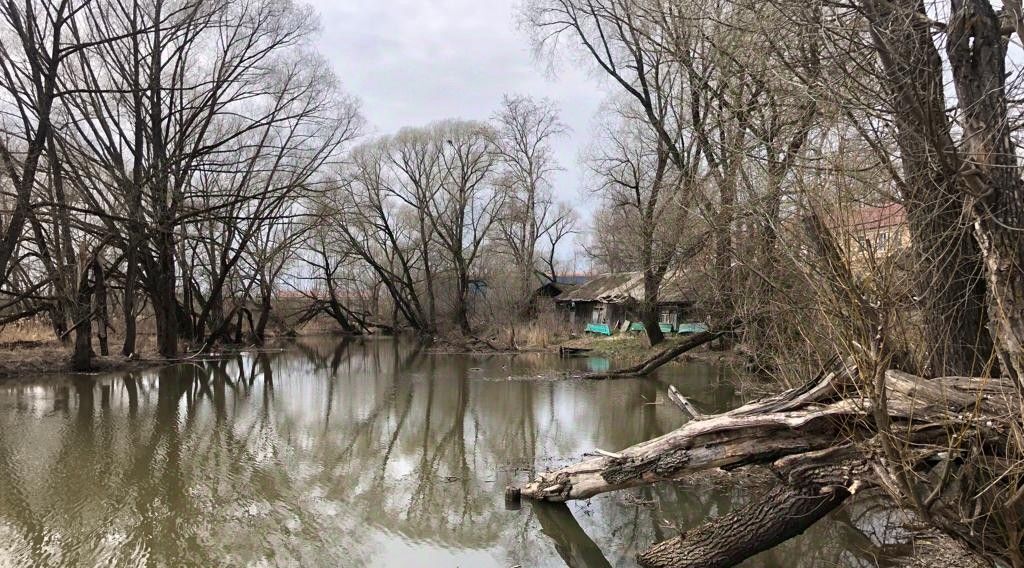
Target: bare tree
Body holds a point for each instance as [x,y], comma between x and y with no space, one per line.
[525,130]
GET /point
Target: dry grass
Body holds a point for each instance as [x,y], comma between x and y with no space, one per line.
[29,332]
[31,349]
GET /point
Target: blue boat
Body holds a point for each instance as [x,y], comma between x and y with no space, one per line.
[639,326]
[691,328]
[599,328]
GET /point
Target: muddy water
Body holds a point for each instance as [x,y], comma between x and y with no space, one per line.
[359,453]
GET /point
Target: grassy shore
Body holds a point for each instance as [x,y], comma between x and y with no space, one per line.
[628,349]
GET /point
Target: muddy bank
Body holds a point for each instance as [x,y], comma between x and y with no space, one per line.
[33,359]
[40,360]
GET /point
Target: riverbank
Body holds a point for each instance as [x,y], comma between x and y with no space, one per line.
[625,350]
[34,359]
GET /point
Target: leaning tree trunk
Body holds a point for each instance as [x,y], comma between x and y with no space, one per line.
[668,355]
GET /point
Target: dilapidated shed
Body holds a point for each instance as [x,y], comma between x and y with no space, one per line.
[615,298]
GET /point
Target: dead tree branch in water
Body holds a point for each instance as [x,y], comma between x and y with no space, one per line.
[668,355]
[820,439]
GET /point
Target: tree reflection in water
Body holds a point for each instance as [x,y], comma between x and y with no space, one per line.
[352,453]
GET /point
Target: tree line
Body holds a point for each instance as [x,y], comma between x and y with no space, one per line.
[188,162]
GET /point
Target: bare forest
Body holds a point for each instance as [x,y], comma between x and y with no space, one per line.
[182,177]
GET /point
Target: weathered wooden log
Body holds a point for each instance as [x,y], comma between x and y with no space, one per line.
[811,486]
[759,432]
[808,418]
[684,404]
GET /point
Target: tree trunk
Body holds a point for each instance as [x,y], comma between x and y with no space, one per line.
[461,307]
[651,317]
[949,272]
[81,357]
[100,295]
[164,297]
[785,512]
[131,279]
[260,332]
[652,324]
[977,54]
[724,248]
[165,310]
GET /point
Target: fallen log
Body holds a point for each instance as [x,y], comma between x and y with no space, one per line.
[810,488]
[820,438]
[759,432]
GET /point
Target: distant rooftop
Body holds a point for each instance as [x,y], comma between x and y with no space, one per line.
[620,287]
[871,218]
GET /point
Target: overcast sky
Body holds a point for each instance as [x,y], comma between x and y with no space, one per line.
[411,62]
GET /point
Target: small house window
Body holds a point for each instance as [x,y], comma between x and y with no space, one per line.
[883,240]
[600,314]
[668,316]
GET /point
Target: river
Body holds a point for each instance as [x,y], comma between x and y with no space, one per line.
[358,453]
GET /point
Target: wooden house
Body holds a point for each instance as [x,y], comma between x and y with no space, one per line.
[611,302]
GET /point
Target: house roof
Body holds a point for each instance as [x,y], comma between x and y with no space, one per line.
[574,279]
[622,287]
[877,218]
[553,289]
[563,280]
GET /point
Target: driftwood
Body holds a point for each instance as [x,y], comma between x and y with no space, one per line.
[820,440]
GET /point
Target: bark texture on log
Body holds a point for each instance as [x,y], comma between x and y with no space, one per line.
[810,488]
[782,514]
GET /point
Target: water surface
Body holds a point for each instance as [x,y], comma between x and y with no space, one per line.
[356,453]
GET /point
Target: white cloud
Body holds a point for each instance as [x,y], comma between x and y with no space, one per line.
[412,62]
